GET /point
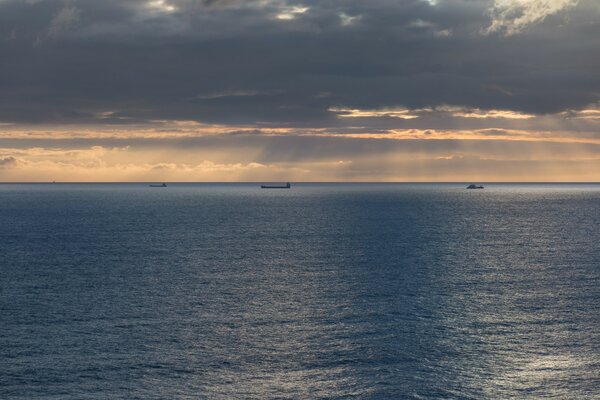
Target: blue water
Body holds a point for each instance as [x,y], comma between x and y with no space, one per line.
[370,291]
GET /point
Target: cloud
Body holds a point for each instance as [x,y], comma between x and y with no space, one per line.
[7,162]
[292,12]
[592,114]
[226,90]
[463,112]
[162,6]
[512,16]
[401,113]
[304,158]
[454,111]
[232,62]
[445,121]
[348,20]
[232,93]
[63,20]
[105,163]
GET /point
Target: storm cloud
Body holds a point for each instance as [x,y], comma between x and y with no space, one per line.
[290,62]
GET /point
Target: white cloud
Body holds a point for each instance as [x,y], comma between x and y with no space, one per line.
[405,113]
[443,33]
[347,20]
[161,6]
[402,113]
[292,13]
[512,16]
[477,113]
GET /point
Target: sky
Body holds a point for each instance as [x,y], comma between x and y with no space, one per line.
[285,90]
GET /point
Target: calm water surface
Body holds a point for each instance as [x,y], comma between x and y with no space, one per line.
[374,291]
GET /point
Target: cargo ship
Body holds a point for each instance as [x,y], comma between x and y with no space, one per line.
[286,186]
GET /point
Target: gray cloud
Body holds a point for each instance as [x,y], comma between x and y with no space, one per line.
[237,62]
[64,19]
[6,162]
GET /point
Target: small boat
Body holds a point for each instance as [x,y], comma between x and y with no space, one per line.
[474,187]
[286,186]
[161,185]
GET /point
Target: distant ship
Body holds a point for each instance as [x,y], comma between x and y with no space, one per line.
[161,185]
[474,187]
[286,186]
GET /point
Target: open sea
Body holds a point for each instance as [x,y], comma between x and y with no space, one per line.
[323,291]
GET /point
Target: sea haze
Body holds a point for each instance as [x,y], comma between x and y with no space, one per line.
[221,291]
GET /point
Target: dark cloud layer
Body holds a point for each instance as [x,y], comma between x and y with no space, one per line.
[285,62]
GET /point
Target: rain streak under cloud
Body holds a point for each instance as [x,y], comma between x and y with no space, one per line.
[299,90]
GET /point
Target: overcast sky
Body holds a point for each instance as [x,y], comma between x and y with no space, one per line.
[220,90]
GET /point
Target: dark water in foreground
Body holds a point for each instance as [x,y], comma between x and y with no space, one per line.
[322,291]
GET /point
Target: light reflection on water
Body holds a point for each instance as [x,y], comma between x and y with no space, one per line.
[322,291]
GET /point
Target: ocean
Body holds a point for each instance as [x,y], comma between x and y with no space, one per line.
[323,291]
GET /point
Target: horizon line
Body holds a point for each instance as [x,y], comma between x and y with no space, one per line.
[295,182]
